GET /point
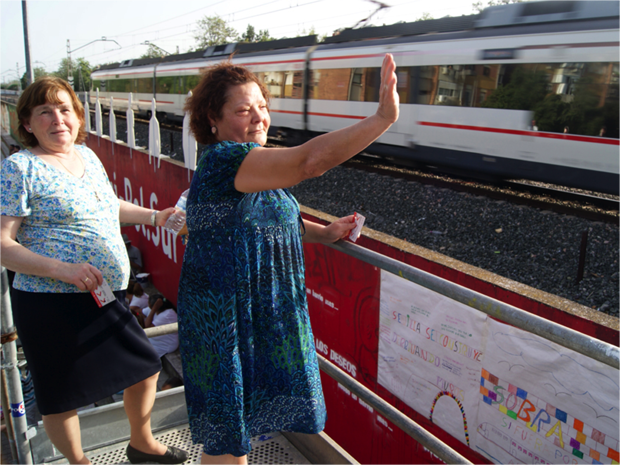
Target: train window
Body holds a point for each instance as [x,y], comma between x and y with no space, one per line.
[358,84]
[119,85]
[145,85]
[298,85]
[404,84]
[99,84]
[164,84]
[331,84]
[457,85]
[274,82]
[293,84]
[190,82]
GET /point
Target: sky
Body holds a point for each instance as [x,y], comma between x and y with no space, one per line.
[170,25]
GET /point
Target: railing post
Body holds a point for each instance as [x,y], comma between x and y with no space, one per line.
[86,113]
[154,136]
[9,365]
[97,114]
[189,144]
[131,133]
[112,121]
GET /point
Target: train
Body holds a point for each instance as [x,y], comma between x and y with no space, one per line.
[519,91]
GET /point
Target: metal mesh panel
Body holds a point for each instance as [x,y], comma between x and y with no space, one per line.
[271,448]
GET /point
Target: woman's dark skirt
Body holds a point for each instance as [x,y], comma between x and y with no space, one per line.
[77,352]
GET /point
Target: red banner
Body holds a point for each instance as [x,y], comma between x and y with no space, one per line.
[138,180]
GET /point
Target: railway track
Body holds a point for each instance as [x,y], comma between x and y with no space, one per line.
[581,204]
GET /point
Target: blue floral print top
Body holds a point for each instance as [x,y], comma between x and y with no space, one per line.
[75,220]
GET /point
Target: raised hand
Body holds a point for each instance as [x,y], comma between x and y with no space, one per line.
[388,95]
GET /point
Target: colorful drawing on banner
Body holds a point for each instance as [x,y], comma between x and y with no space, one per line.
[449,394]
[541,403]
[544,419]
[430,353]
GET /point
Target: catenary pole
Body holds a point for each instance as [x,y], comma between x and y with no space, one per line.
[29,70]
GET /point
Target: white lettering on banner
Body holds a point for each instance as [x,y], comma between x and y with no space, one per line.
[343,363]
[365,405]
[330,304]
[321,347]
[384,422]
[168,242]
[155,235]
[318,296]
[435,456]
[340,386]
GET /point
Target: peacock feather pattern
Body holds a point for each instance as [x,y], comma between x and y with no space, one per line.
[248,353]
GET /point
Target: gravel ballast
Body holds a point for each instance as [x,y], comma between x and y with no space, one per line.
[524,244]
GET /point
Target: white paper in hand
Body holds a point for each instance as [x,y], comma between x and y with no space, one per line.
[103,294]
[357,230]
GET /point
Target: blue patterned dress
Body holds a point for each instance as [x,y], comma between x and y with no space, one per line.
[249,360]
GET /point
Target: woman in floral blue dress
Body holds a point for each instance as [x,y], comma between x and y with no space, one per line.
[60,232]
[248,353]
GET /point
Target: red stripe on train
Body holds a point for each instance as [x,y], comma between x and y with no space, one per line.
[516,132]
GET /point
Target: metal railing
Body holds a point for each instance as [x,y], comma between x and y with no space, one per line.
[15,411]
[566,337]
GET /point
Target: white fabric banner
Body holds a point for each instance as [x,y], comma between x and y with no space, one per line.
[511,396]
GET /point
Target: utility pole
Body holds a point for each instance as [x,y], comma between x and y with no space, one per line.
[29,70]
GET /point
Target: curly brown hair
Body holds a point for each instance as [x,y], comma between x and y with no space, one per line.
[45,90]
[210,95]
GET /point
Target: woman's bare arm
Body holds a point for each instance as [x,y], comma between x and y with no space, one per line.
[317,233]
[275,168]
[18,258]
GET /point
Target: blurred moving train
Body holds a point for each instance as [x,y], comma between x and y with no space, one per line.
[526,90]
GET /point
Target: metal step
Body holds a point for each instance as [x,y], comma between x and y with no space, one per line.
[271,448]
[105,435]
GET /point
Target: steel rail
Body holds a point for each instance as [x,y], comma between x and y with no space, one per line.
[566,337]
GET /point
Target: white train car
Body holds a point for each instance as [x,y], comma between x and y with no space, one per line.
[525,90]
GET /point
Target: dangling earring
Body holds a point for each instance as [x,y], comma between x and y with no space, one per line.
[213,130]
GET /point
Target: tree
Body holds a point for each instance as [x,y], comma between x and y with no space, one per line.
[38,72]
[80,69]
[425,17]
[250,35]
[153,52]
[525,89]
[213,30]
[478,6]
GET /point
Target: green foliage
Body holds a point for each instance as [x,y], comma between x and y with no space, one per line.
[585,116]
[80,69]
[551,114]
[425,16]
[479,6]
[250,35]
[153,52]
[523,92]
[213,30]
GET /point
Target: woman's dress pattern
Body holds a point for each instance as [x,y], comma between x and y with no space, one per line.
[74,220]
[248,353]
